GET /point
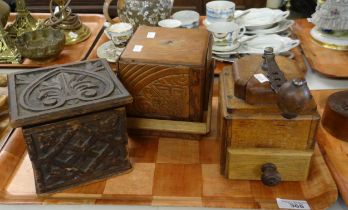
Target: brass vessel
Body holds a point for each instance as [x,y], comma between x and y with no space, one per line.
[4,12]
[41,44]
[75,31]
[8,51]
[24,22]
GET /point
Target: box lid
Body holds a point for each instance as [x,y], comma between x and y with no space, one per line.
[63,91]
[249,88]
[175,46]
[236,107]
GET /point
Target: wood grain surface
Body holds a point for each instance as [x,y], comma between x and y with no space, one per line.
[331,63]
[262,125]
[336,113]
[167,172]
[71,53]
[169,47]
[165,81]
[252,136]
[335,151]
[245,163]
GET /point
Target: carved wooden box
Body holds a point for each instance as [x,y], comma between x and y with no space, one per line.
[74,123]
[170,78]
[252,130]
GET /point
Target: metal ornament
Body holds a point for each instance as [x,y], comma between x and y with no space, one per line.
[270,175]
[8,51]
[275,75]
[293,95]
[42,44]
[24,22]
[70,23]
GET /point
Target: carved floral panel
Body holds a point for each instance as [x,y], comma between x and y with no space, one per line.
[62,91]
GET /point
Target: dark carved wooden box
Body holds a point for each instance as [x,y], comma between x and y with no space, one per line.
[171,77]
[74,123]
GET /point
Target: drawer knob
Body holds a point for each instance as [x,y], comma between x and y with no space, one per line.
[270,176]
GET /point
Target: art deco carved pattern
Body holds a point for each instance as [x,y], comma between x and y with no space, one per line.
[163,96]
[75,151]
[158,91]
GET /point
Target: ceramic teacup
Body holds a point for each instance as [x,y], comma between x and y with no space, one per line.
[226,33]
[188,18]
[169,23]
[220,11]
[119,33]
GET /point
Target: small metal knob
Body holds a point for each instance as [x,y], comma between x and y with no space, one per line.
[270,176]
[293,96]
[269,50]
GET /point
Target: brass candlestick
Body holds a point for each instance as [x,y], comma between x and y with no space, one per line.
[24,21]
[68,22]
[8,51]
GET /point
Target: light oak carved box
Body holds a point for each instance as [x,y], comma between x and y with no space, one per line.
[74,123]
[170,78]
[253,131]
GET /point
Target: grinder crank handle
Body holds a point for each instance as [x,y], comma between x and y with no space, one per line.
[293,95]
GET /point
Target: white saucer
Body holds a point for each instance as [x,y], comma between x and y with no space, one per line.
[226,48]
[101,51]
[261,18]
[278,43]
[224,58]
[188,18]
[170,23]
[330,41]
[278,28]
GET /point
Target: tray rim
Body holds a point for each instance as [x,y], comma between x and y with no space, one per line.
[308,51]
[330,191]
[96,199]
[101,19]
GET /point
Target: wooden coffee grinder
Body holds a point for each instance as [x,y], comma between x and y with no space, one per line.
[267,120]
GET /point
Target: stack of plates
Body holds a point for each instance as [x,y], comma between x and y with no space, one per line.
[269,28]
[262,19]
[257,45]
[276,29]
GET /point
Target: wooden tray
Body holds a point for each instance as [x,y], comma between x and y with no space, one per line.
[167,172]
[5,128]
[71,53]
[335,151]
[331,63]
